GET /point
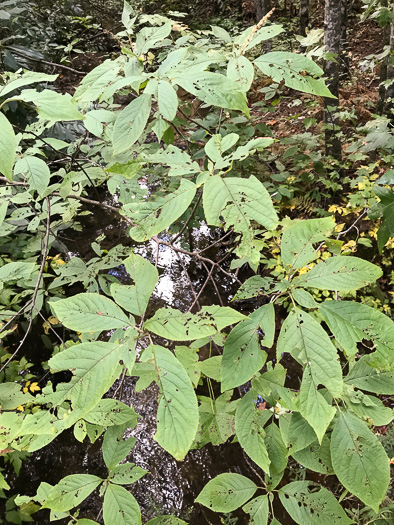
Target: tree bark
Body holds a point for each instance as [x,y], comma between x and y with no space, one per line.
[262,8]
[304,16]
[332,39]
[344,54]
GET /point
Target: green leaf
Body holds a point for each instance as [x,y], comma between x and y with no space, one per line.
[177,415]
[351,322]
[277,452]
[149,37]
[282,65]
[94,83]
[242,357]
[359,460]
[238,201]
[120,507]
[125,474]
[89,312]
[28,77]
[71,491]
[266,384]
[177,326]
[15,271]
[316,457]
[166,520]
[11,396]
[179,162]
[368,407]
[308,507]
[217,145]
[226,492]
[252,287]
[258,510]
[363,376]
[309,344]
[51,105]
[241,71]
[95,367]
[35,170]
[109,412]
[152,217]
[313,406]
[167,100]
[115,449]
[131,123]
[212,367]
[213,89]
[217,420]
[135,298]
[386,207]
[304,298]
[297,245]
[8,143]
[249,423]
[341,274]
[264,33]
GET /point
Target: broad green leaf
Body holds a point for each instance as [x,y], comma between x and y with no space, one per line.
[226,492]
[252,287]
[313,406]
[126,473]
[217,420]
[36,172]
[242,356]
[8,143]
[85,521]
[249,423]
[177,415]
[135,298]
[214,89]
[304,298]
[316,457]
[152,217]
[241,71]
[386,208]
[3,210]
[222,34]
[149,38]
[189,360]
[238,201]
[307,342]
[217,145]
[167,100]
[297,244]
[109,412]
[131,123]
[363,376]
[368,407]
[11,396]
[52,105]
[178,326]
[93,84]
[308,507]
[258,510]
[282,65]
[340,273]
[16,271]
[266,384]
[71,491]
[172,60]
[166,520]
[351,322]
[95,367]
[80,430]
[212,367]
[115,449]
[89,312]
[179,162]
[120,507]
[277,451]
[28,77]
[359,460]
[264,33]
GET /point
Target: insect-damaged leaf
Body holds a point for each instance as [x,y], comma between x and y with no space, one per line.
[71,491]
[226,492]
[120,507]
[177,326]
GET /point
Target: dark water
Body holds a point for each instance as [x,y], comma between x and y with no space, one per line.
[170,487]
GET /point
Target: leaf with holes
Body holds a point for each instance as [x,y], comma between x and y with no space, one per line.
[258,510]
[365,377]
[120,507]
[359,460]
[71,491]
[226,492]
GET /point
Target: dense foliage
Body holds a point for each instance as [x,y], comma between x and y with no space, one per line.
[162,137]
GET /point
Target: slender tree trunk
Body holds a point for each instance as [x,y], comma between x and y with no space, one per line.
[332,39]
[344,54]
[386,91]
[262,8]
[304,16]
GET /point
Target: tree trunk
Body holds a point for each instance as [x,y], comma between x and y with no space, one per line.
[386,91]
[332,39]
[304,16]
[262,8]
[344,54]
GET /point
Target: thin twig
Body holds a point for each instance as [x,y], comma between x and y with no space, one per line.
[214,284]
[340,234]
[190,281]
[202,289]
[40,273]
[61,66]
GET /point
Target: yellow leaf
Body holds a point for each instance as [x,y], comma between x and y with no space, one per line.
[20,408]
[34,387]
